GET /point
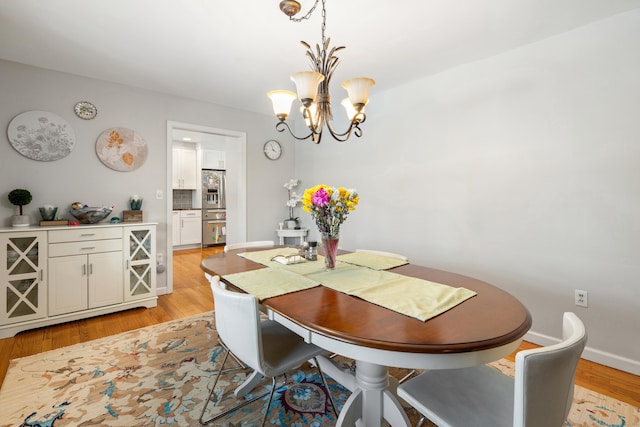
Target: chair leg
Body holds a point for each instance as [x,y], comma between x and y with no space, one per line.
[213,388]
[266,411]
[326,386]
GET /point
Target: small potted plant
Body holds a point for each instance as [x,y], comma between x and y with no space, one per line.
[20,197]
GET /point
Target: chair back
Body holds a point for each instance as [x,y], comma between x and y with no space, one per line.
[544,378]
[253,244]
[238,324]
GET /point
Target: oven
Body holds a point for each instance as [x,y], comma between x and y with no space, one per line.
[214,227]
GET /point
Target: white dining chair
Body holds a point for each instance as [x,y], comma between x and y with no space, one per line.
[252,244]
[540,395]
[382,253]
[261,344]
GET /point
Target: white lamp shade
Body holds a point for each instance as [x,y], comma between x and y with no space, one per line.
[358,89]
[350,109]
[281,100]
[307,84]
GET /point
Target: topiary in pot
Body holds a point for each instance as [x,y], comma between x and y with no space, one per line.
[20,197]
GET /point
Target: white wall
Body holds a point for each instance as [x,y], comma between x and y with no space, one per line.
[82,177]
[522,170]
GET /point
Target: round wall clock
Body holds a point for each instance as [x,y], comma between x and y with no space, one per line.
[272,149]
[85,110]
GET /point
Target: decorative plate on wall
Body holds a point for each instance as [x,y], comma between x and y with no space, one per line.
[42,136]
[85,110]
[121,149]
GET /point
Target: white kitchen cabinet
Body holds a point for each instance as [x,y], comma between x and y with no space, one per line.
[86,269]
[23,291]
[140,255]
[213,159]
[177,225]
[60,274]
[184,168]
[190,227]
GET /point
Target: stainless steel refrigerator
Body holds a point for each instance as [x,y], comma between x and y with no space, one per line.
[214,207]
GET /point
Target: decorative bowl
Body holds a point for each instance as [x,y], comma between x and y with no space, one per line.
[90,215]
[48,213]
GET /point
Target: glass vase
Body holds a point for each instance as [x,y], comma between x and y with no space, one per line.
[330,247]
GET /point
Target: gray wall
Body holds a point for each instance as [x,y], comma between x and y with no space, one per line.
[522,170]
[82,177]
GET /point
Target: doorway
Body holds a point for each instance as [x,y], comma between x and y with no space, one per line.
[234,144]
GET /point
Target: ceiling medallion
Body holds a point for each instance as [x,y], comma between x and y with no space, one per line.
[313,88]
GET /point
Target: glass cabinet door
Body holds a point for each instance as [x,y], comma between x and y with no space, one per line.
[140,275]
[22,288]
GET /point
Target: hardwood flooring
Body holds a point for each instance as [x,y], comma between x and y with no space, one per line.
[192,295]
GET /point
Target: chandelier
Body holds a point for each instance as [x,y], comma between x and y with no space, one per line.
[313,88]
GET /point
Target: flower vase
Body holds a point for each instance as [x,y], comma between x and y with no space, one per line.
[330,246]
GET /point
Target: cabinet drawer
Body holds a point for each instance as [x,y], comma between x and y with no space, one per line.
[90,247]
[80,234]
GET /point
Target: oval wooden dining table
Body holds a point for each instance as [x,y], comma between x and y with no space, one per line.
[482,329]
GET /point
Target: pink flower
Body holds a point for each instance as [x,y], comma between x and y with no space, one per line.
[320,198]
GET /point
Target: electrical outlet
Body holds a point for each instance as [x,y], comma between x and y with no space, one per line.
[582,298]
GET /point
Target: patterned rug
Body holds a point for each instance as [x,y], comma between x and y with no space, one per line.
[161,376]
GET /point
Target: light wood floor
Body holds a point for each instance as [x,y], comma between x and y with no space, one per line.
[192,295]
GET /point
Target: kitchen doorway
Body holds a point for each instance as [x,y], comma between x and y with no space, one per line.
[234,145]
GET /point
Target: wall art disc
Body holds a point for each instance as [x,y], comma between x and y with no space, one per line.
[42,136]
[121,149]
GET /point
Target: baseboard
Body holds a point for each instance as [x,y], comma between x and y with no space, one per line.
[592,354]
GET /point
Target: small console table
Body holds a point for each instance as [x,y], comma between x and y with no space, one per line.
[287,232]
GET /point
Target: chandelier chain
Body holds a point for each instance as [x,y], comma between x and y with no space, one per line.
[308,15]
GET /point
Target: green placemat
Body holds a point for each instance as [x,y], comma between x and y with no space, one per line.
[269,282]
[374,261]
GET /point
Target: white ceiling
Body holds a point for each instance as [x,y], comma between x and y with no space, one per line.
[232,52]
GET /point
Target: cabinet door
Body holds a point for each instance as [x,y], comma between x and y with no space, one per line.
[188,160]
[184,164]
[23,292]
[140,255]
[67,284]
[190,227]
[106,276]
[176,169]
[176,228]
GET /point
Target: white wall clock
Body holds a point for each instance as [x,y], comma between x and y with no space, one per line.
[85,110]
[272,149]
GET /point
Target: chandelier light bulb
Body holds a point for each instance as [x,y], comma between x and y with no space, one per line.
[281,100]
[307,85]
[350,109]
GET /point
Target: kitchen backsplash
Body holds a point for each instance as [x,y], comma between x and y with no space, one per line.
[182,199]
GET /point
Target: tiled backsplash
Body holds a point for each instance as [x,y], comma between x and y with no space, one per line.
[182,199]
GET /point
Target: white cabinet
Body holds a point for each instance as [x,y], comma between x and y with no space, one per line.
[23,291]
[184,168]
[140,255]
[86,269]
[213,159]
[188,229]
[60,274]
[176,225]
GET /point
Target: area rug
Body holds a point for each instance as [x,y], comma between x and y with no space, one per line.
[161,376]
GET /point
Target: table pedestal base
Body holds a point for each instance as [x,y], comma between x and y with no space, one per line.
[372,401]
